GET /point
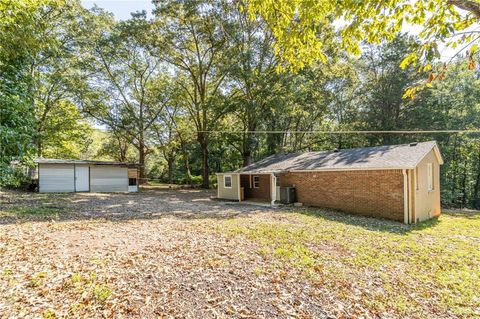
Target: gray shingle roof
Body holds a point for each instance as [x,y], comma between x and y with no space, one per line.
[381,157]
[80,162]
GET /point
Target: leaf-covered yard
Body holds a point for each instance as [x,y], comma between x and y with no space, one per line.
[177,253]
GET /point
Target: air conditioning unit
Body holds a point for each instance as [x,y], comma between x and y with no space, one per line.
[287,195]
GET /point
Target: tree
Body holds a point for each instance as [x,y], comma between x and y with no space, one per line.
[64,132]
[124,85]
[384,82]
[61,130]
[20,42]
[116,146]
[304,34]
[193,32]
[251,76]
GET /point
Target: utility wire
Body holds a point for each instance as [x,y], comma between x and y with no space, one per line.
[350,132]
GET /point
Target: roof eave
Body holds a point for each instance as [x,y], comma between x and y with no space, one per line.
[323,170]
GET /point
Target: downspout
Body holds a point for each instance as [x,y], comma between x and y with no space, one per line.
[410,197]
[405,197]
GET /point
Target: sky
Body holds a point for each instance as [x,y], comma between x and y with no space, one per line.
[120,8]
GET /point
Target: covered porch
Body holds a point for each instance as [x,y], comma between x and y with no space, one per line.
[258,187]
[251,187]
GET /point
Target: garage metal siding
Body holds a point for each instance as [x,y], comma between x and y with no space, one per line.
[56,178]
[108,179]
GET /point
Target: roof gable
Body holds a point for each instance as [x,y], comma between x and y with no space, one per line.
[403,156]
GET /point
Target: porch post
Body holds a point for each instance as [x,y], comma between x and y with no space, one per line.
[273,189]
[239,185]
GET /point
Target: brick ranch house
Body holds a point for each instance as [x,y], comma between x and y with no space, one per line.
[398,182]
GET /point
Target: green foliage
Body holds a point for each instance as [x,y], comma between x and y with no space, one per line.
[16,47]
[306,31]
[35,45]
[66,134]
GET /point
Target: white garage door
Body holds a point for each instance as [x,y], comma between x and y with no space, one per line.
[108,179]
[56,178]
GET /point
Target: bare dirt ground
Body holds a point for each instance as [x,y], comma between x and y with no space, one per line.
[177,253]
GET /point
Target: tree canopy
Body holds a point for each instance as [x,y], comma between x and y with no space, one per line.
[306,31]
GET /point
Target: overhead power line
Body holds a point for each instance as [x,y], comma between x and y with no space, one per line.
[349,132]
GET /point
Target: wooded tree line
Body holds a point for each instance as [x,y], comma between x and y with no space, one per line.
[195,89]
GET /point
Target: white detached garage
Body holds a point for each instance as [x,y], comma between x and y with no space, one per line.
[60,176]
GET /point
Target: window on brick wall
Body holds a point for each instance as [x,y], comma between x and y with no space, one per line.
[256,181]
[430,177]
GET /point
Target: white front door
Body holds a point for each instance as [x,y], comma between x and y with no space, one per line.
[82,179]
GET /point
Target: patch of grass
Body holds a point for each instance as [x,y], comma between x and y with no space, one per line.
[101,292]
[49,314]
[43,211]
[90,286]
[75,309]
[7,272]
[38,279]
[386,266]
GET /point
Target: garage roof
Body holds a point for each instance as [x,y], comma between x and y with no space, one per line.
[404,156]
[81,162]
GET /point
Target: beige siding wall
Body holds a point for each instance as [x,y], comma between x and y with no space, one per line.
[108,179]
[133,173]
[228,193]
[56,178]
[426,203]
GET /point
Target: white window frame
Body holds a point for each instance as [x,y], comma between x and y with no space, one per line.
[225,181]
[256,183]
[430,186]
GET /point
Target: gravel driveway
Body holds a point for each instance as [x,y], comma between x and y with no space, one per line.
[155,254]
[152,203]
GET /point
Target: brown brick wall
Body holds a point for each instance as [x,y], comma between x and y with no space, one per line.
[376,193]
[263,192]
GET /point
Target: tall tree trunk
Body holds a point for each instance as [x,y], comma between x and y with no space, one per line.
[464,185]
[141,158]
[141,162]
[202,140]
[247,150]
[247,157]
[39,145]
[170,169]
[476,188]
[455,170]
[186,163]
[188,175]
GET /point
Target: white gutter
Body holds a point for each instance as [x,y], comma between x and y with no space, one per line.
[405,197]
